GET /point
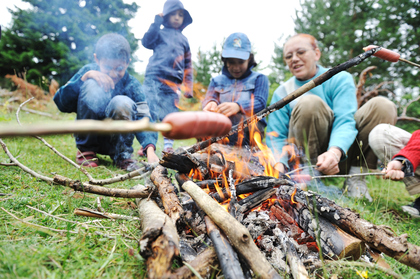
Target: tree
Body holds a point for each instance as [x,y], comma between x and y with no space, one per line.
[345,27]
[54,39]
[208,63]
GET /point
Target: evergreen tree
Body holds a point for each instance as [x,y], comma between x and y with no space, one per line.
[208,63]
[54,39]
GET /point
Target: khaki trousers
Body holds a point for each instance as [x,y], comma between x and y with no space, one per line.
[311,123]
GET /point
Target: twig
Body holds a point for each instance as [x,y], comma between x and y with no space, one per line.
[96,214]
[45,229]
[349,175]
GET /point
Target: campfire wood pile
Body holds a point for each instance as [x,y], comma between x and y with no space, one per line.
[229,215]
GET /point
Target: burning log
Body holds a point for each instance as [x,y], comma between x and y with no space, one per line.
[235,231]
[228,258]
[167,193]
[379,237]
[159,243]
[202,264]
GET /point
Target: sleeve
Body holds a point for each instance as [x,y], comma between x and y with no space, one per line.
[260,97]
[211,95]
[344,106]
[151,37]
[278,127]
[67,96]
[412,150]
[188,74]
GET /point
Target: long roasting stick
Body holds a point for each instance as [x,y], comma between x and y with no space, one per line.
[83,126]
[281,103]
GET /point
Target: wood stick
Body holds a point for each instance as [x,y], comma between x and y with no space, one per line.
[159,243]
[296,266]
[292,96]
[167,193]
[111,192]
[228,258]
[380,238]
[203,264]
[238,235]
[96,214]
[83,127]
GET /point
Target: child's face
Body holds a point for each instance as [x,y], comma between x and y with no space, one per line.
[237,67]
[114,68]
[176,18]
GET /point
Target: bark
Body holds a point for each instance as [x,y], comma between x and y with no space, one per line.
[380,238]
[228,258]
[76,185]
[167,193]
[238,235]
[159,243]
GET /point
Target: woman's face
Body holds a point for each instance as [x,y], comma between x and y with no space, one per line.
[301,57]
[237,67]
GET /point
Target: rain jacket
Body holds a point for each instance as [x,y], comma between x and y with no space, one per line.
[67,97]
[171,59]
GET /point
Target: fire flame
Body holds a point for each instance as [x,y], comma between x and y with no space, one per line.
[292,197]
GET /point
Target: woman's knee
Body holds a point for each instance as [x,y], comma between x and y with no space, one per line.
[310,105]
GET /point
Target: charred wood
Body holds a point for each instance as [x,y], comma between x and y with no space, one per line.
[228,258]
[204,264]
[167,193]
[380,238]
[238,235]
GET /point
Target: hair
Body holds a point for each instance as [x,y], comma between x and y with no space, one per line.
[251,63]
[113,46]
[312,40]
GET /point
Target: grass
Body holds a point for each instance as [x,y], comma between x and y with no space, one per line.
[108,249]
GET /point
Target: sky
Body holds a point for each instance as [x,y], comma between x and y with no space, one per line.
[263,21]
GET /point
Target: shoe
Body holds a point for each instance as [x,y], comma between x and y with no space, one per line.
[413,209]
[141,152]
[128,165]
[87,159]
[356,185]
[168,150]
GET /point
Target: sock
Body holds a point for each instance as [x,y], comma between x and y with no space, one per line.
[167,143]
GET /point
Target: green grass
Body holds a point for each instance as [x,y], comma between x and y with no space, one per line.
[28,252]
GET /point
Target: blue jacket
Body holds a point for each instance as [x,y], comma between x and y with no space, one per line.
[339,93]
[67,97]
[171,59]
[250,92]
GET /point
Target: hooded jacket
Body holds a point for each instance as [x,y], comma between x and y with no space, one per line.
[171,57]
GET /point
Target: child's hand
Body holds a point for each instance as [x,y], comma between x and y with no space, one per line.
[160,14]
[228,109]
[211,106]
[151,155]
[393,170]
[102,79]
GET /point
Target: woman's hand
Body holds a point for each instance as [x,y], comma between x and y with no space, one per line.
[328,161]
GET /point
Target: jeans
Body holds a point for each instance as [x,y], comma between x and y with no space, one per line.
[96,104]
[161,98]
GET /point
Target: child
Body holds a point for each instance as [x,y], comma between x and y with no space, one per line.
[238,92]
[170,64]
[106,90]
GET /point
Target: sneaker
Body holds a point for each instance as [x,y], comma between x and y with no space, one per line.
[141,152]
[413,209]
[87,159]
[356,185]
[128,165]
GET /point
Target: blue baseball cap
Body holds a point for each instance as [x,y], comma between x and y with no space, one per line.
[237,45]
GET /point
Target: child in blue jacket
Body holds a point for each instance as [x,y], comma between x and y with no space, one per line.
[170,64]
[105,90]
[238,92]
